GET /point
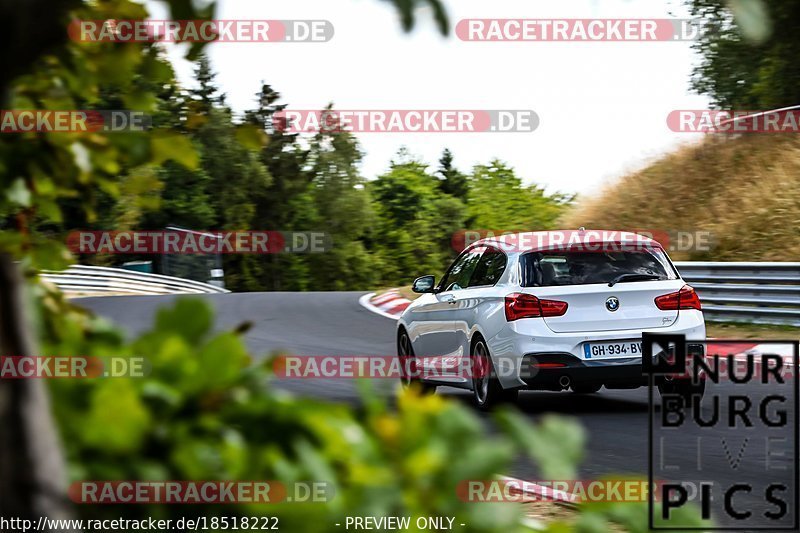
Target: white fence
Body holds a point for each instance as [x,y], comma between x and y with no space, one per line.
[82,280]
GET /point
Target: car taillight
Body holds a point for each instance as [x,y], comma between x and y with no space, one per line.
[519,305]
[686,298]
[549,365]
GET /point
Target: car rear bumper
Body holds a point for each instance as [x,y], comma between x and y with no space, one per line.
[515,344]
[557,371]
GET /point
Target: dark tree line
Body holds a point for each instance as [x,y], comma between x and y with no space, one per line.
[383,230]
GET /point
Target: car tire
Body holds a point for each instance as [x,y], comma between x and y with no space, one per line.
[586,389]
[685,389]
[487,392]
[405,352]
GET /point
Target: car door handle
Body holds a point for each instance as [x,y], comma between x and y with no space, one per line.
[449,298]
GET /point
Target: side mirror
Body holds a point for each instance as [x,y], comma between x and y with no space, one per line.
[423,284]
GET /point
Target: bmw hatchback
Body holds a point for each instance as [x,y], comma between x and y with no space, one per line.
[558,310]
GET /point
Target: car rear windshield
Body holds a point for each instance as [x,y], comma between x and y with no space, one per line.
[551,268]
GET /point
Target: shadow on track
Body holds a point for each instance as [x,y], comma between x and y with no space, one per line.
[566,403]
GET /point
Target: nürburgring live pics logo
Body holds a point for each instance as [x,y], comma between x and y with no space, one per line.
[732,451]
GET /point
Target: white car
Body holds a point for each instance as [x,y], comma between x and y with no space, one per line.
[548,311]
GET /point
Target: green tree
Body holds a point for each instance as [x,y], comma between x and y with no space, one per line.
[499,201]
[184,197]
[206,95]
[453,182]
[287,203]
[749,53]
[416,221]
[343,210]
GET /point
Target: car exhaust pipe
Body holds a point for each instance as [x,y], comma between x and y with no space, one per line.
[564,382]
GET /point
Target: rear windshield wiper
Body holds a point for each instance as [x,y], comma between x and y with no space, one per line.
[632,277]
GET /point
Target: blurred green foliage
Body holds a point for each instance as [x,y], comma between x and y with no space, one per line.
[206,410]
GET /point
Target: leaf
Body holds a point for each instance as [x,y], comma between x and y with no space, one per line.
[251,137]
[196,459]
[189,317]
[157,71]
[48,254]
[556,443]
[81,157]
[117,421]
[134,145]
[141,100]
[752,18]
[220,362]
[591,523]
[406,9]
[166,145]
[440,15]
[49,209]
[19,193]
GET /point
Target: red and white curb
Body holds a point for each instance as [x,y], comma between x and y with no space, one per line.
[740,351]
[721,347]
[389,304]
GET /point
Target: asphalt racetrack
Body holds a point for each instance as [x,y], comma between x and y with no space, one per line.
[333,323]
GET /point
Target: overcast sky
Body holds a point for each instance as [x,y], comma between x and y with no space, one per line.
[602,105]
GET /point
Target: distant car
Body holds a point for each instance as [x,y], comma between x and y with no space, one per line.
[527,311]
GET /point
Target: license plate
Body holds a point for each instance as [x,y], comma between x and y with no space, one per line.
[597,350]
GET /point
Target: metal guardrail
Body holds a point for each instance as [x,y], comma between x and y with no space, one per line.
[83,280]
[764,293]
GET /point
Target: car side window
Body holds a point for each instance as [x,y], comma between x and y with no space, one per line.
[489,269]
[460,273]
